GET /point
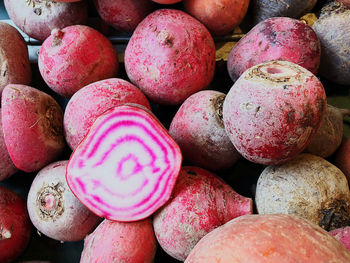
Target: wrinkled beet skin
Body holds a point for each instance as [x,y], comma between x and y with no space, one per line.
[220,17]
[170,56]
[75,57]
[270,123]
[342,158]
[269,239]
[123,15]
[279,38]
[13,218]
[92,100]
[200,202]
[130,242]
[199,130]
[37,18]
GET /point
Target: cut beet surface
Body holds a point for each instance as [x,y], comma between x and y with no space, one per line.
[126,167]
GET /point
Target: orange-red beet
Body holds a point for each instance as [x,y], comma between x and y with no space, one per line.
[15,227]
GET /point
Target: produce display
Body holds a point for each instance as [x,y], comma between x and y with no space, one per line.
[174,131]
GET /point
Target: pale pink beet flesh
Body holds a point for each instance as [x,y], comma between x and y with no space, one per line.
[7,168]
[199,130]
[32,122]
[268,239]
[273,111]
[170,56]
[123,15]
[92,100]
[342,235]
[15,227]
[127,165]
[74,57]
[279,38]
[54,210]
[342,158]
[200,202]
[132,242]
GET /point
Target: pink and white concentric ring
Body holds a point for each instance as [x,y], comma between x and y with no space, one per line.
[126,167]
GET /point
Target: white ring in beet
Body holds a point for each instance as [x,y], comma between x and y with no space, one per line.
[126,167]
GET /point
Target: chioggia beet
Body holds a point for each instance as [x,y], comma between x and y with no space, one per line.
[269,239]
[273,111]
[124,15]
[54,210]
[127,165]
[37,18]
[307,186]
[32,123]
[342,235]
[264,9]
[200,202]
[170,56]
[74,57]
[92,100]
[199,130]
[333,30]
[15,227]
[342,158]
[14,59]
[127,242]
[220,17]
[330,134]
[277,38]
[7,168]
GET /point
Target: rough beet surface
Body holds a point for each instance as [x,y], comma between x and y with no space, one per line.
[74,57]
[32,122]
[278,38]
[200,202]
[92,100]
[127,242]
[273,111]
[199,130]
[15,227]
[170,56]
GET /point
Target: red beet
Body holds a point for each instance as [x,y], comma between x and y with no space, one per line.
[127,165]
[92,100]
[170,56]
[200,202]
[342,235]
[278,38]
[132,242]
[342,158]
[199,130]
[273,111]
[15,227]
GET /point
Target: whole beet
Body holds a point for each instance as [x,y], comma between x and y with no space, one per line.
[38,18]
[15,227]
[199,130]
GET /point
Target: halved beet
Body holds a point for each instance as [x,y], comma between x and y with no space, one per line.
[126,167]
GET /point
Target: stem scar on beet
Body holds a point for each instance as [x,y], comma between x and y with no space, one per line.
[127,165]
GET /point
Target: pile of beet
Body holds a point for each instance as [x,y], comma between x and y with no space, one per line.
[132,138]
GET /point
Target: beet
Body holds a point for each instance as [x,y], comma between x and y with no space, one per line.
[127,165]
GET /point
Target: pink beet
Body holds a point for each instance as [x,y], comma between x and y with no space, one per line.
[273,111]
[7,168]
[15,227]
[132,242]
[199,130]
[32,122]
[54,210]
[127,165]
[278,38]
[342,235]
[92,100]
[74,57]
[200,202]
[123,15]
[170,56]
[342,158]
